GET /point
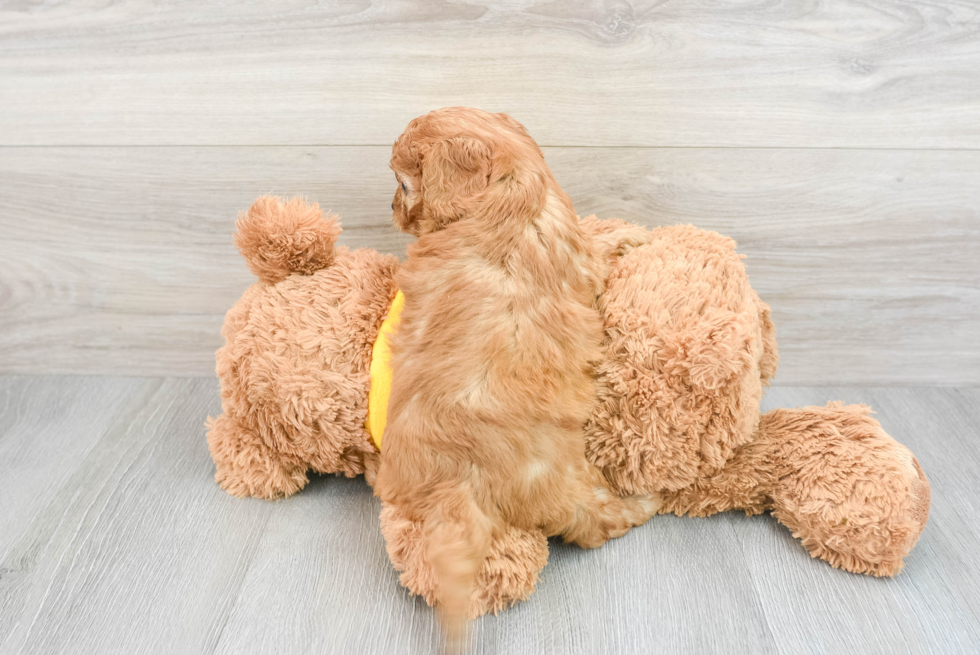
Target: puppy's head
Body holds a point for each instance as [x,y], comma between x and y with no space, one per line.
[450,161]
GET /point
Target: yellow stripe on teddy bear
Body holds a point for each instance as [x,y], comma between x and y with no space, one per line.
[380,390]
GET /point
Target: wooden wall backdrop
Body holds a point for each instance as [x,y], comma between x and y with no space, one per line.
[838,142]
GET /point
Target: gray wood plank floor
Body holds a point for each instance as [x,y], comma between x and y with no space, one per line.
[115,538]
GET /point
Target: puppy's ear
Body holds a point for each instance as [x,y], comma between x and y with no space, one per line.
[453,171]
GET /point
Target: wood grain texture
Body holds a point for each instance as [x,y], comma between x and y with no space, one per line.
[139,551]
[119,260]
[849,73]
[36,456]
[818,613]
[134,549]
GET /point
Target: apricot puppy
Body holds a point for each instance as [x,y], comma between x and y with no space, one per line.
[492,360]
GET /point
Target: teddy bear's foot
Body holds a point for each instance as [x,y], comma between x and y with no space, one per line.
[508,574]
[854,496]
[246,466]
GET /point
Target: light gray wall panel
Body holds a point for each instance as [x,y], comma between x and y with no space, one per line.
[120,260]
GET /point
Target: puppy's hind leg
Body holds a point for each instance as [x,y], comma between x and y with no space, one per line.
[600,515]
[458,536]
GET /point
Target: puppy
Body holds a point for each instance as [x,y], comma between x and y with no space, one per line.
[492,360]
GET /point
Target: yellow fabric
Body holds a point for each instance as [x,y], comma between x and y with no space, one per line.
[381,373]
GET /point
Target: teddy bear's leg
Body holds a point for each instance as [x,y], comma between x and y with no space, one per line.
[247,466]
[508,574]
[854,496]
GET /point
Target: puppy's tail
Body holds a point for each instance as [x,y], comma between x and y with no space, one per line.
[278,238]
[458,536]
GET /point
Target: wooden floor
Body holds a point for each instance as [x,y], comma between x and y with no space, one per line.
[837,141]
[114,538]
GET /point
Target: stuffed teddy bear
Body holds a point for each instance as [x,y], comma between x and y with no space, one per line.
[688,348]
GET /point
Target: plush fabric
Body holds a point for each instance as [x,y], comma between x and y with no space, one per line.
[687,349]
[294,369]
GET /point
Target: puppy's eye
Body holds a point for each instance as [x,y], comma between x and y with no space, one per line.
[404,188]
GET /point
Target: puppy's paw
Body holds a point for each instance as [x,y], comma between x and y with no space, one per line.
[614,237]
[651,503]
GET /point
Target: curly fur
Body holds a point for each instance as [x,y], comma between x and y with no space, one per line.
[492,359]
[294,369]
[684,349]
[279,238]
[684,342]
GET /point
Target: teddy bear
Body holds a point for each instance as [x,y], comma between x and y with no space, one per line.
[687,351]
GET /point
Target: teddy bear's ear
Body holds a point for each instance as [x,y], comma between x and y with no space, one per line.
[280,237]
[454,171]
